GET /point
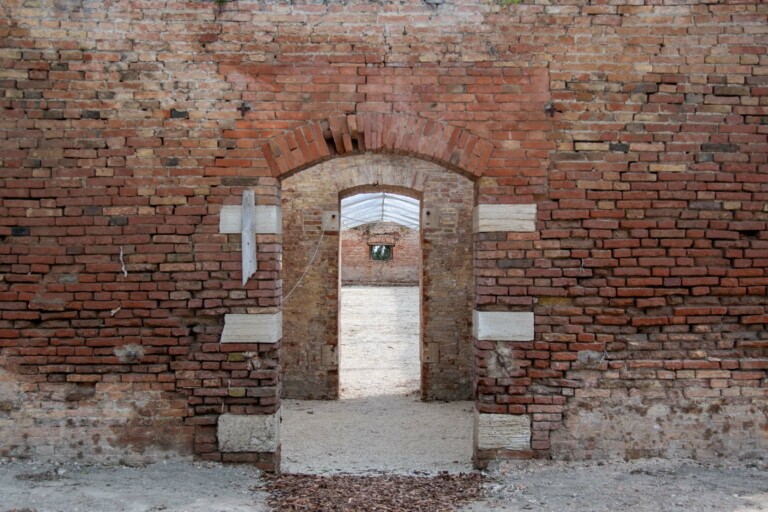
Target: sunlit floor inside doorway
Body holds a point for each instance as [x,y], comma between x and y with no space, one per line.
[379,424]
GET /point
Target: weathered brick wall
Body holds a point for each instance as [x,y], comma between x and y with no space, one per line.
[310,315]
[109,421]
[357,267]
[639,130]
[112,314]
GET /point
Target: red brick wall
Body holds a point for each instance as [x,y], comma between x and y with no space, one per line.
[357,267]
[638,130]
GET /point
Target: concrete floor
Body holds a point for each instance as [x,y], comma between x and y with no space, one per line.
[379,424]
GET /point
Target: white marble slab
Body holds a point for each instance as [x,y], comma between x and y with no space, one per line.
[502,431]
[263,328]
[259,433]
[248,240]
[503,325]
[268,219]
[504,217]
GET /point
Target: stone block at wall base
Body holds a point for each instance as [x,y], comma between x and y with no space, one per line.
[256,433]
[501,436]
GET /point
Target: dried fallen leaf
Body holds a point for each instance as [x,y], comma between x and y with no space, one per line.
[385,493]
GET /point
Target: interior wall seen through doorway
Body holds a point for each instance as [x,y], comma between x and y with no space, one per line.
[359,269]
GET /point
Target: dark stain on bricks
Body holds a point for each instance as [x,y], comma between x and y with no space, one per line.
[621,147]
[238,181]
[719,148]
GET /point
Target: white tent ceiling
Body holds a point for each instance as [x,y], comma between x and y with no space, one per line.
[379,207]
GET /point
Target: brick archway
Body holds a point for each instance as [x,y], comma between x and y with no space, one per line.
[449,146]
[499,430]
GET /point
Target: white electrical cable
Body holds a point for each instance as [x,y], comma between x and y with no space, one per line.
[311,260]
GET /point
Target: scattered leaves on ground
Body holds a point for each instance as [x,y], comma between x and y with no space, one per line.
[45,476]
[379,493]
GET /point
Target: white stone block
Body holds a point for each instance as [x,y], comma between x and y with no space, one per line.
[260,328]
[248,238]
[502,431]
[331,221]
[502,325]
[268,219]
[258,433]
[230,218]
[504,217]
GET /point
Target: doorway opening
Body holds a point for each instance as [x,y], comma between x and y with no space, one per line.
[408,409]
[380,296]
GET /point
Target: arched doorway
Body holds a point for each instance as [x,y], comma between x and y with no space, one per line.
[497,429]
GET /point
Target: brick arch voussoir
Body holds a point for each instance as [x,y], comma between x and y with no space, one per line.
[310,144]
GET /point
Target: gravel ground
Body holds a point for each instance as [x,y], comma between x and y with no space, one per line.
[170,487]
[638,486]
[367,435]
[379,338]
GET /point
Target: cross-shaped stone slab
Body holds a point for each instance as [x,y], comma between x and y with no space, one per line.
[248,231]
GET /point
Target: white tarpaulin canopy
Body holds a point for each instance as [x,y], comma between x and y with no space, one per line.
[379,207]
